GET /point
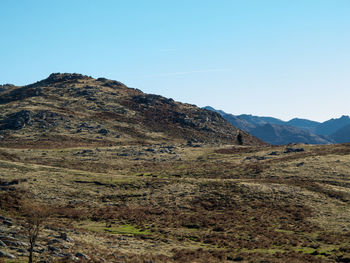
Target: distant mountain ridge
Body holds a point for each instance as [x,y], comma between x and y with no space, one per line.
[276,131]
[342,135]
[332,126]
[304,124]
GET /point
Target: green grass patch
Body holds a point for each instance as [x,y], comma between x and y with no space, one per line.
[118,230]
[127,230]
[323,250]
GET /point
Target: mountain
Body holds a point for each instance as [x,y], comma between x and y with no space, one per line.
[246,120]
[342,135]
[304,124]
[276,131]
[73,109]
[284,134]
[332,126]
[260,120]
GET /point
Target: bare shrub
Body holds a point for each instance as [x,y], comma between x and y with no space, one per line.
[35,216]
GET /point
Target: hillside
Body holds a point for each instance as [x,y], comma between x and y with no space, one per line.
[73,109]
[304,124]
[285,134]
[342,135]
[177,203]
[332,126]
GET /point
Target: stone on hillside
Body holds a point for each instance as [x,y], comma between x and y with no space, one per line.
[6,254]
[65,237]
[300,164]
[39,251]
[54,249]
[54,241]
[103,132]
[82,255]
[294,150]
[15,243]
[21,250]
[7,222]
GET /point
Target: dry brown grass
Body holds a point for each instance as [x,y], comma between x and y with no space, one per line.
[207,205]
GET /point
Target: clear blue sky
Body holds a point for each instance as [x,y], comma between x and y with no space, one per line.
[282,58]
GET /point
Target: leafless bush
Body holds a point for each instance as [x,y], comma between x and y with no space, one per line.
[35,216]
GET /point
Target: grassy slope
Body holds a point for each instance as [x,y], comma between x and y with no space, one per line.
[196,204]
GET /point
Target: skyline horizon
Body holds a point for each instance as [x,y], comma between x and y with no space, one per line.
[201,106]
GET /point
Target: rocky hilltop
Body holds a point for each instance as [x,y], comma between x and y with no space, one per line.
[74,109]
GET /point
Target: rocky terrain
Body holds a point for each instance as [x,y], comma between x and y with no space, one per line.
[177,203]
[74,109]
[110,174]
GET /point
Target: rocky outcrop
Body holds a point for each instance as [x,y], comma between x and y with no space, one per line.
[110,111]
[55,78]
[17,120]
[23,118]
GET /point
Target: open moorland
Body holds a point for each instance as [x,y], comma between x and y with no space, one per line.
[116,175]
[180,203]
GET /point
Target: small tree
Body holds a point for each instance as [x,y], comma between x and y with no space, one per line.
[240,138]
[35,216]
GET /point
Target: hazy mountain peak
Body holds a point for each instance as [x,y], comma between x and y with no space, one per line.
[276,131]
[333,125]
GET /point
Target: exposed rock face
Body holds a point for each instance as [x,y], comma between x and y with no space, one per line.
[60,78]
[84,109]
[23,118]
[16,121]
